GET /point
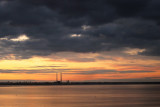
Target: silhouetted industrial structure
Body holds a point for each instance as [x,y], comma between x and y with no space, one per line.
[76,83]
[59,81]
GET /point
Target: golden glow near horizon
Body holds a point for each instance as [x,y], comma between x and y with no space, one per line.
[78,67]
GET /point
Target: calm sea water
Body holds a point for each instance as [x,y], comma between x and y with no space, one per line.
[81,96]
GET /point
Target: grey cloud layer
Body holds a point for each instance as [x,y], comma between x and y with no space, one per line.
[73,71]
[110,72]
[49,23]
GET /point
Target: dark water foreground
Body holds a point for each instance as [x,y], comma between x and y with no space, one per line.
[80,96]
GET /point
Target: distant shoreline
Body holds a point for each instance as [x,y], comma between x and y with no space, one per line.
[75,83]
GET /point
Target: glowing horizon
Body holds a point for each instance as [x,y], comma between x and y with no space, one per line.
[80,68]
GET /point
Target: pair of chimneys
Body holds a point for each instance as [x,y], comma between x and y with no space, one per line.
[60,77]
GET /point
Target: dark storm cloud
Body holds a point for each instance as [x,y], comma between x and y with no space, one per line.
[50,23]
[133,33]
[128,7]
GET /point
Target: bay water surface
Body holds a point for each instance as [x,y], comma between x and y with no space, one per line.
[80,96]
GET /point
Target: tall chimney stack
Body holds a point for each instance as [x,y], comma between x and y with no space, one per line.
[56,77]
[61,76]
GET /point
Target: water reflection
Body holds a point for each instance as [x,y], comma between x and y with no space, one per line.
[81,96]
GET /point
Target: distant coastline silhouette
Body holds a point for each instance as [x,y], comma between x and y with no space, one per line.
[75,83]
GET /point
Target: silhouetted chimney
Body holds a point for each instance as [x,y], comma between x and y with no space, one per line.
[56,77]
[61,76]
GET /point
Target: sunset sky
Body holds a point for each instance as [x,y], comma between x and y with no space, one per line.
[87,40]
